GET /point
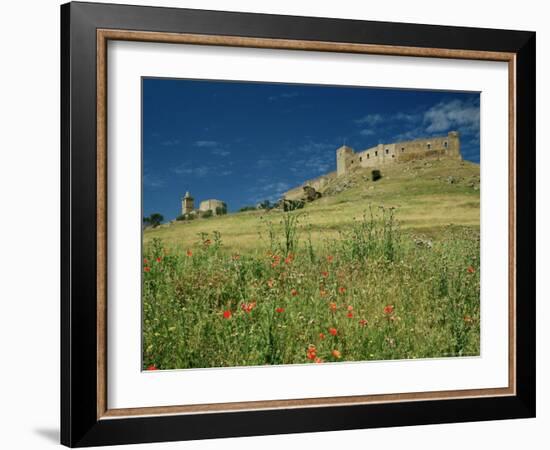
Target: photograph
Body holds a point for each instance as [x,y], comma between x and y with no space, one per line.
[307,224]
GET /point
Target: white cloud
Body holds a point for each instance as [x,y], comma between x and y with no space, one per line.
[284,95]
[453,114]
[220,152]
[367,132]
[369,120]
[206,144]
[197,171]
[170,142]
[153,181]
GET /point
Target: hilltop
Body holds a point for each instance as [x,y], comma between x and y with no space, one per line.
[429,196]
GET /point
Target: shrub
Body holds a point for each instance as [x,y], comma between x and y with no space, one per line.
[154,220]
[207,214]
[247,208]
[376,175]
[221,210]
[181,217]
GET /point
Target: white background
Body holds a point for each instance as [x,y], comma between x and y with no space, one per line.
[130,388]
[29,197]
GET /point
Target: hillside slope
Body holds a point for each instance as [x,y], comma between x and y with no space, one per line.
[428,195]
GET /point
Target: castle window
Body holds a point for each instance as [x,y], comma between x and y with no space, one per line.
[445,144]
[352,161]
[368,155]
[393,156]
[376,153]
[402,149]
[387,151]
[360,158]
[429,146]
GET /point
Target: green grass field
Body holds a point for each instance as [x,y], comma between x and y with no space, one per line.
[376,270]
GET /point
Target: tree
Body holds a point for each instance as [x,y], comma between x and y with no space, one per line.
[154,220]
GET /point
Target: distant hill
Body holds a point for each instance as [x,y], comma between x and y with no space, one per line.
[429,197]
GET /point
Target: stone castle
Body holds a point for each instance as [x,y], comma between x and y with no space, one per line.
[188,205]
[347,159]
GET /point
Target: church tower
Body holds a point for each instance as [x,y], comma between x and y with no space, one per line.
[187,204]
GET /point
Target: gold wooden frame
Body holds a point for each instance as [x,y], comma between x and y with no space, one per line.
[104,35]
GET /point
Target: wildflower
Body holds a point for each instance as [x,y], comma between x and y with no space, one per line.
[321,335]
[342,290]
[294,292]
[324,274]
[470,269]
[323,293]
[152,367]
[159,259]
[227,314]
[147,269]
[388,309]
[145,260]
[280,310]
[468,319]
[289,258]
[332,306]
[333,331]
[363,322]
[276,260]
[189,253]
[350,315]
[318,360]
[311,352]
[330,258]
[336,354]
[270,282]
[247,307]
[350,308]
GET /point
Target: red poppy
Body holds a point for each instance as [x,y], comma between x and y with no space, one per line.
[289,258]
[330,258]
[311,352]
[470,269]
[350,308]
[350,315]
[294,292]
[342,290]
[388,309]
[332,306]
[189,253]
[280,310]
[336,354]
[147,269]
[227,314]
[145,260]
[159,259]
[318,360]
[324,274]
[321,335]
[323,293]
[363,322]
[152,367]
[333,331]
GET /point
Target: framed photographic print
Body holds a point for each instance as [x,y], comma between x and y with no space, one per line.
[276,224]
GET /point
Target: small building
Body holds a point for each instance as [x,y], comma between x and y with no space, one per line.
[212,205]
[187,204]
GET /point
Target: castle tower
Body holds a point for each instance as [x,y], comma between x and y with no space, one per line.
[343,159]
[187,204]
[453,146]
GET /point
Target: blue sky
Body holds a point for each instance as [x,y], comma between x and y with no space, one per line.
[244,142]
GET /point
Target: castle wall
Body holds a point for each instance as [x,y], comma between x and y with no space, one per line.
[316,183]
[211,204]
[383,154]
